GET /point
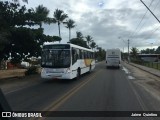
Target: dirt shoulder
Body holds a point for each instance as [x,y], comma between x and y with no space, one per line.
[148,81]
[12,73]
[11,80]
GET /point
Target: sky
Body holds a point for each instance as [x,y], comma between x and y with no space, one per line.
[110,22]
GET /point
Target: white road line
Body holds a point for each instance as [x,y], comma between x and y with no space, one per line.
[125,70]
[131,77]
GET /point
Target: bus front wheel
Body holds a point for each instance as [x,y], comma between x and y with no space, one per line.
[90,69]
[78,73]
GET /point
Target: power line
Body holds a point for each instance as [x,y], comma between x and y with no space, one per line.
[147,19]
[155,29]
[152,14]
[152,32]
[140,21]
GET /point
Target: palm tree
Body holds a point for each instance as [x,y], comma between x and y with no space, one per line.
[42,13]
[89,39]
[70,24]
[134,52]
[93,45]
[59,17]
[79,35]
[97,47]
[22,0]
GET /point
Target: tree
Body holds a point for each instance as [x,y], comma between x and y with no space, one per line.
[79,35]
[148,51]
[158,50]
[57,38]
[93,45]
[79,40]
[89,39]
[70,24]
[17,41]
[134,52]
[41,14]
[22,0]
[100,54]
[59,17]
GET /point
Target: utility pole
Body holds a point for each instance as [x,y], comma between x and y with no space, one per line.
[128,52]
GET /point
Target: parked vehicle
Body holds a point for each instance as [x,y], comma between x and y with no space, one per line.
[25,64]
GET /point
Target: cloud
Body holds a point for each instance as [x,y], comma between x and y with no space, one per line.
[108,21]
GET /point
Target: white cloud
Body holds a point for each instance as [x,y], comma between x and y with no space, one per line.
[106,20]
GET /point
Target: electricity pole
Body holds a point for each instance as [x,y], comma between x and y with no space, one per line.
[128,52]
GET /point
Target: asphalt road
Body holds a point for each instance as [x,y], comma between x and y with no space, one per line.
[101,90]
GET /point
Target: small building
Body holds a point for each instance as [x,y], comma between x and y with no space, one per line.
[150,57]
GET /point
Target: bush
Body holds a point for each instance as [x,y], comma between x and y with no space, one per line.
[137,61]
[31,70]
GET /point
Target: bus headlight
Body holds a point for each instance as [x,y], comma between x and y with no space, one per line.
[68,70]
[43,71]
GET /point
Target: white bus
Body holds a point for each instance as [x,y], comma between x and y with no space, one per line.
[66,61]
[113,58]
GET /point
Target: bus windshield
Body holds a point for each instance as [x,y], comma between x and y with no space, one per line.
[56,58]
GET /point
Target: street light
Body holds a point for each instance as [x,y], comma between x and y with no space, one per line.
[128,49]
[151,48]
[123,41]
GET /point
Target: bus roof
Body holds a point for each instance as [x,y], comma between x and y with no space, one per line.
[72,45]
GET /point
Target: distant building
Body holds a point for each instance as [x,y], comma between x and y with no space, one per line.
[150,57]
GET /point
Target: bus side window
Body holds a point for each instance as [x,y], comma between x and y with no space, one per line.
[89,55]
[74,55]
[80,54]
[84,52]
[94,56]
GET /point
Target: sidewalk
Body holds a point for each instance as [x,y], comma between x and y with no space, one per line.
[147,69]
[12,73]
[5,74]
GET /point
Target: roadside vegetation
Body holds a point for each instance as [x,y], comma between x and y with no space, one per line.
[22,33]
[136,59]
[31,70]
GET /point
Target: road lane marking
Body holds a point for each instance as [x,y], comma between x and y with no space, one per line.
[142,104]
[69,94]
[128,73]
[126,70]
[131,77]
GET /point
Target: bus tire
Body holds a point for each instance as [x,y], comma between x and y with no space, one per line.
[78,73]
[90,68]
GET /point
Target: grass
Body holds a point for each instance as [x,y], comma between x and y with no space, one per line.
[152,65]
